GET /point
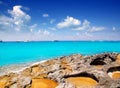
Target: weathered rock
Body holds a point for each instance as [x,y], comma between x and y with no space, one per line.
[24,81]
[118,59]
[26,72]
[114,75]
[82,82]
[3,81]
[35,70]
[14,86]
[75,71]
[66,85]
[43,83]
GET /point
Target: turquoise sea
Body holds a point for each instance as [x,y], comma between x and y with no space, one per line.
[24,52]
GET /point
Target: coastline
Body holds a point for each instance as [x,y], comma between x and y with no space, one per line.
[16,68]
[67,72]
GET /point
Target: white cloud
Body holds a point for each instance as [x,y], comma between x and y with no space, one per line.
[84,35]
[33,27]
[43,32]
[5,21]
[18,15]
[114,28]
[93,29]
[85,25]
[46,32]
[52,28]
[69,22]
[77,34]
[18,20]
[44,23]
[76,24]
[45,15]
[88,35]
[52,21]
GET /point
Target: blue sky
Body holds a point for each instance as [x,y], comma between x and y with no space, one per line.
[59,20]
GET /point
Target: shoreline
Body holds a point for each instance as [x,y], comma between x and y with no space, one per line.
[66,41]
[21,66]
[100,70]
[17,67]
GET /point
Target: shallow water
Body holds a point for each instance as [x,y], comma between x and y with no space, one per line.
[23,52]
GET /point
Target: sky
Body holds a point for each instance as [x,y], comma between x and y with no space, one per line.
[47,20]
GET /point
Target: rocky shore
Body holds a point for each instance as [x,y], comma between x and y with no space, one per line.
[75,71]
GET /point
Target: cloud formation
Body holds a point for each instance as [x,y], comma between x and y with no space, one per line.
[45,15]
[76,24]
[69,22]
[17,21]
[44,32]
[114,28]
[85,25]
[94,28]
[52,21]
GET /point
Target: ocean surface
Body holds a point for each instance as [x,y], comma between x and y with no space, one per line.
[25,52]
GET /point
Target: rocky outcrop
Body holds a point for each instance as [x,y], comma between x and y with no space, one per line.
[75,71]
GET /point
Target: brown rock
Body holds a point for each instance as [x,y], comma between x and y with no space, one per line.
[42,76]
[43,83]
[114,75]
[75,71]
[3,81]
[35,68]
[118,59]
[82,82]
[26,72]
[98,66]
[24,81]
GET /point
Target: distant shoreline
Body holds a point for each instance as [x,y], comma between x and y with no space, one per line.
[68,41]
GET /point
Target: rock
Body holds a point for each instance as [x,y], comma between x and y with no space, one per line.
[3,81]
[24,81]
[82,82]
[14,85]
[42,76]
[118,59]
[65,85]
[75,71]
[114,75]
[35,70]
[44,83]
[26,72]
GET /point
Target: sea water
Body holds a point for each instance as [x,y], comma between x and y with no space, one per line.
[24,52]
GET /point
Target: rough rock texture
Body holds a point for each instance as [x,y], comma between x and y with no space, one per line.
[75,71]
